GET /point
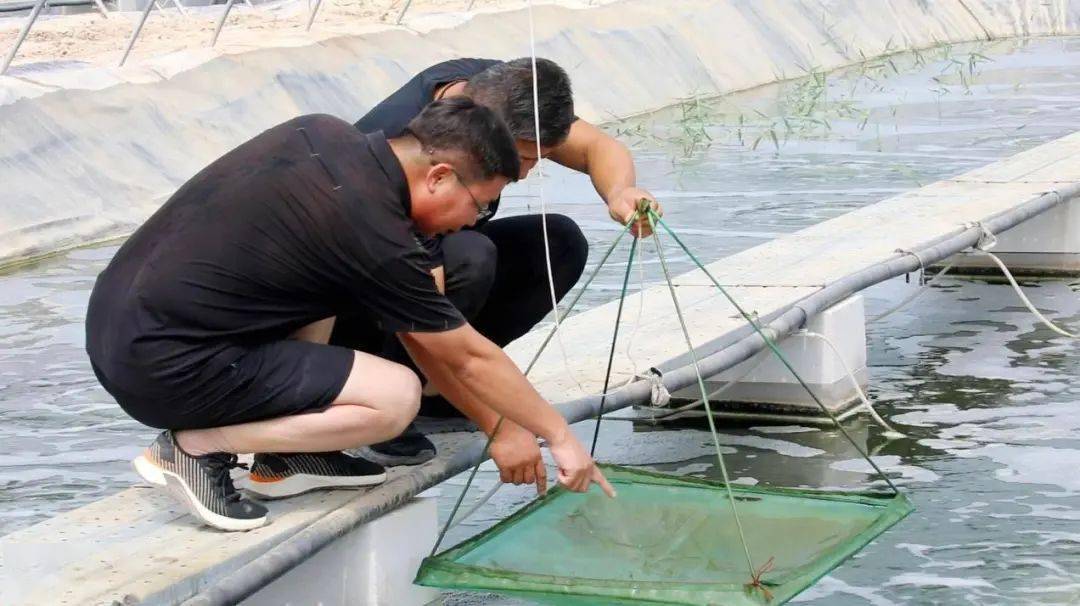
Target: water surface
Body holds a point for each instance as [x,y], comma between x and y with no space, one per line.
[988,398]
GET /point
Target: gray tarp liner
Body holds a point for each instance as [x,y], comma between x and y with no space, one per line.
[88,152]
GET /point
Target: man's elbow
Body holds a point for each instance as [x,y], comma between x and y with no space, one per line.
[461,351]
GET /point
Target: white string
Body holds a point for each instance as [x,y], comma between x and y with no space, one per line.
[543,201]
[988,240]
[544,227]
[547,258]
[540,168]
[855,383]
[640,312]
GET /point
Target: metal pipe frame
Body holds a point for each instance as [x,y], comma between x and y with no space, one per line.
[221,22]
[401,15]
[101,8]
[138,29]
[311,17]
[22,35]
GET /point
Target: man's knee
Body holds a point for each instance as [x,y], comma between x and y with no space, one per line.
[574,241]
[391,390]
[470,256]
[572,248]
[404,402]
[470,259]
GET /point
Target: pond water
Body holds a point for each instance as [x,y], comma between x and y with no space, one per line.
[987,397]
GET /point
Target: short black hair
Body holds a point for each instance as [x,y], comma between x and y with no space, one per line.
[461,127]
[507,88]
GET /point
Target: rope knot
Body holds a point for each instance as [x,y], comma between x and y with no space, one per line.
[756,583]
[659,396]
[987,239]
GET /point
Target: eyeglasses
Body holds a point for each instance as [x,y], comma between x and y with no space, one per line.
[482,212]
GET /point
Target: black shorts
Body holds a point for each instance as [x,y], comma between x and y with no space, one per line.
[267,381]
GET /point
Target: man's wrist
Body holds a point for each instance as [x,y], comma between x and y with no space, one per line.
[613,194]
[558,436]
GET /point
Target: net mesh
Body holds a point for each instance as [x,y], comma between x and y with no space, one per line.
[664,540]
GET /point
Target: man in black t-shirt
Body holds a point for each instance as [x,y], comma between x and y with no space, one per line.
[495,273]
[212,320]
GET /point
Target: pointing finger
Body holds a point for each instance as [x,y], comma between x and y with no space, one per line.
[541,478]
[598,477]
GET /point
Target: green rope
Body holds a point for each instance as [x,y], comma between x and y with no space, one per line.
[654,220]
[776,350]
[536,356]
[580,292]
[614,340]
[704,392]
[465,490]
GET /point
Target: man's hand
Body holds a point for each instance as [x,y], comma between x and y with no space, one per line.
[577,470]
[517,455]
[622,205]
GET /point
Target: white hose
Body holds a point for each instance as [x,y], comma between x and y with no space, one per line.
[889,430]
[1023,297]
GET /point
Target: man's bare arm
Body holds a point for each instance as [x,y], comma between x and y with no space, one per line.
[474,374]
[610,166]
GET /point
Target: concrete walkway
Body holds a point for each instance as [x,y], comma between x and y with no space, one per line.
[89,152]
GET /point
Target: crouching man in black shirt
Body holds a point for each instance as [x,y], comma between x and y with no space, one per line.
[496,272]
[212,320]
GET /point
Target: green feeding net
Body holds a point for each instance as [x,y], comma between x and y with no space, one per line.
[665,540]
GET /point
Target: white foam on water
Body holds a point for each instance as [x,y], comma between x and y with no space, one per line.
[1043,588]
[830,586]
[890,463]
[922,579]
[950,415]
[955,564]
[1052,537]
[973,507]
[1056,512]
[1033,464]
[938,444]
[915,549]
[1044,563]
[783,447]
[694,468]
[783,429]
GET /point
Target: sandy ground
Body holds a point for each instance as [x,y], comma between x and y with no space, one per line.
[94,39]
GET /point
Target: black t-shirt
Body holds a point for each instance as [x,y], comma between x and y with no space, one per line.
[310,219]
[393,114]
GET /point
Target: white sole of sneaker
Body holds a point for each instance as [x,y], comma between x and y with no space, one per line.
[301,483]
[179,490]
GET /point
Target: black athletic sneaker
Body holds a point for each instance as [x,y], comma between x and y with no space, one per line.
[276,476]
[410,448]
[202,484]
[438,406]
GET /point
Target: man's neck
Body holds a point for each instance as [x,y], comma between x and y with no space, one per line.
[452,89]
[408,152]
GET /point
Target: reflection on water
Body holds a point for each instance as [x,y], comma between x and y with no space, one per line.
[988,399]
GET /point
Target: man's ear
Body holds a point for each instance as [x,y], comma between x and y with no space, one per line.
[437,174]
